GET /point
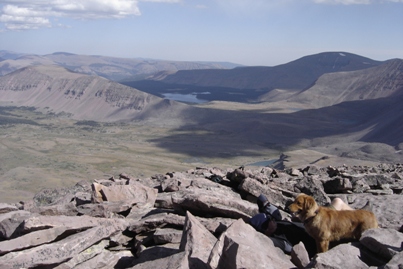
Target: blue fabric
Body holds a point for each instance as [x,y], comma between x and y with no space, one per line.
[259,222]
[273,211]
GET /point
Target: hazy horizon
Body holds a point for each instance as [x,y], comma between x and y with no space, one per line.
[245,32]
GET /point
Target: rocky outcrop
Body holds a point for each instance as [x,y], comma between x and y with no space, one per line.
[197,219]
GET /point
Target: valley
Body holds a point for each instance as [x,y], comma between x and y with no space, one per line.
[60,127]
[48,151]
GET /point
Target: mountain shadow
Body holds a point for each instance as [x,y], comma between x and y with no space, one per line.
[217,133]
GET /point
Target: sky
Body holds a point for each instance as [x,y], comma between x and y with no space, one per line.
[248,32]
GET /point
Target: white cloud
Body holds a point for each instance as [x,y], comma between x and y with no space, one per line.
[34,14]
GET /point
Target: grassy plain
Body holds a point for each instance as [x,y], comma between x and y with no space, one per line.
[49,151]
[44,150]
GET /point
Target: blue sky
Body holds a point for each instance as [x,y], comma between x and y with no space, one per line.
[250,32]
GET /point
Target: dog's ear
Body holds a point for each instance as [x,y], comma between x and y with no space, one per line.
[309,202]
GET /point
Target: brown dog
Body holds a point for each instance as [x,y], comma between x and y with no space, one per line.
[326,224]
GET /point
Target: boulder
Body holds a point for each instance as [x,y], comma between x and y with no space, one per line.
[340,257]
[11,222]
[167,235]
[388,209]
[384,242]
[243,246]
[135,193]
[337,185]
[299,256]
[313,187]
[255,188]
[213,203]
[197,242]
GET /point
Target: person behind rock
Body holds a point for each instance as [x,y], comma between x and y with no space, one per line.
[285,234]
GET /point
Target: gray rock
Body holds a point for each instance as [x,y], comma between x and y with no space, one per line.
[313,187]
[57,252]
[254,187]
[105,259]
[340,257]
[337,185]
[31,240]
[359,185]
[299,256]
[197,242]
[161,257]
[151,223]
[5,208]
[388,209]
[135,193]
[384,242]
[82,198]
[243,246]
[311,170]
[395,263]
[213,203]
[66,209]
[77,222]
[170,185]
[167,235]
[11,223]
[106,209]
[85,255]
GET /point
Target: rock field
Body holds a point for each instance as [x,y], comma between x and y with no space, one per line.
[198,219]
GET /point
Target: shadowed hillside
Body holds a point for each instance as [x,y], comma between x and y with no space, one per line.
[298,74]
[372,83]
[346,125]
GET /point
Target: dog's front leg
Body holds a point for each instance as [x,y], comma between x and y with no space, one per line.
[322,245]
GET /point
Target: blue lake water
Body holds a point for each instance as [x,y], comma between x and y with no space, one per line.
[187,98]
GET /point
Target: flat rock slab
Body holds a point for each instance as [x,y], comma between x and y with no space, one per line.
[74,222]
[57,252]
[31,240]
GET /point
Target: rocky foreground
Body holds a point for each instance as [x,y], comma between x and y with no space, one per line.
[197,219]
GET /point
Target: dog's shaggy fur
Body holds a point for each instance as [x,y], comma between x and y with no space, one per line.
[326,225]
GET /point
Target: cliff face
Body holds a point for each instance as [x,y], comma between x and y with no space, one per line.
[197,219]
[83,96]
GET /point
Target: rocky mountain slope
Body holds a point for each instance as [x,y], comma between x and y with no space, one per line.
[109,67]
[198,219]
[59,90]
[299,74]
[372,83]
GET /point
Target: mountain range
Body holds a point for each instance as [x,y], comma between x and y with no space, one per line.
[112,68]
[333,98]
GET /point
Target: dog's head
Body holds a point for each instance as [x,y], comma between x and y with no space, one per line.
[303,207]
